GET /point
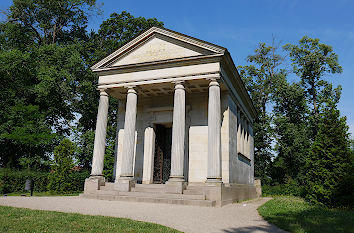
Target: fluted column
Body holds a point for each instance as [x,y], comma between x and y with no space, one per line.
[178,133]
[129,134]
[214,133]
[100,135]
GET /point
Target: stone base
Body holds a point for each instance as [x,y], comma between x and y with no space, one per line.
[257,183]
[124,184]
[175,186]
[93,183]
[223,194]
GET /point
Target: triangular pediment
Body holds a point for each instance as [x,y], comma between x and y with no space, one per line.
[155,45]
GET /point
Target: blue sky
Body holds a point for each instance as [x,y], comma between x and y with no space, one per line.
[241,25]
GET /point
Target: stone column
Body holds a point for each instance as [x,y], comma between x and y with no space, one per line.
[100,135]
[214,133]
[149,149]
[126,179]
[178,133]
[176,182]
[93,183]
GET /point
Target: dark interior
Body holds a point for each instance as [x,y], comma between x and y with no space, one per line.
[162,158]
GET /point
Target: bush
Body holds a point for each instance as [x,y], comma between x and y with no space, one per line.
[59,178]
[14,180]
[289,189]
[77,180]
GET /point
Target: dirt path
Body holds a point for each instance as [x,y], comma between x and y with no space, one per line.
[242,217]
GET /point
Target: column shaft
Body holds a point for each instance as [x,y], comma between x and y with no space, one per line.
[129,134]
[214,133]
[178,133]
[100,136]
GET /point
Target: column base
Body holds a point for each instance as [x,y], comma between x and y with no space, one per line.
[175,185]
[213,180]
[93,183]
[124,184]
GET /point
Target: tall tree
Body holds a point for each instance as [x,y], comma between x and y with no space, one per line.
[330,161]
[291,132]
[260,79]
[112,34]
[41,64]
[52,21]
[311,61]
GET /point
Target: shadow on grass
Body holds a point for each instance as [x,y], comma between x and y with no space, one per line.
[251,229]
[296,215]
[314,220]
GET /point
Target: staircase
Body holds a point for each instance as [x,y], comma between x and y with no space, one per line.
[153,193]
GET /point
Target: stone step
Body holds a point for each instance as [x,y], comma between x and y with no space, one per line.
[163,195]
[206,203]
[195,187]
[107,192]
[193,192]
[148,189]
[152,186]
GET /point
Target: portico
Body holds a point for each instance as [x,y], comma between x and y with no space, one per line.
[184,122]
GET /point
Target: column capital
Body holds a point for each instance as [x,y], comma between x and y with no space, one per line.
[179,85]
[103,92]
[214,82]
[131,89]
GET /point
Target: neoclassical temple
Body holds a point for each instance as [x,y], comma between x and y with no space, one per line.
[184,123]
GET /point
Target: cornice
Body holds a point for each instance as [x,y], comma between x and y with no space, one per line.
[185,61]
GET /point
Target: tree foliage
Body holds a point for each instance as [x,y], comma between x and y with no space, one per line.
[260,79]
[329,163]
[45,58]
[291,132]
[62,164]
[311,61]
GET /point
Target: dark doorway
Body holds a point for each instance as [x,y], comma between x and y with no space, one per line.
[162,158]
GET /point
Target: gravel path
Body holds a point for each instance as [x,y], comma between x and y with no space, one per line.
[242,217]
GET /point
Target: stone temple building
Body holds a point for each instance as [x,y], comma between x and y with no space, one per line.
[184,123]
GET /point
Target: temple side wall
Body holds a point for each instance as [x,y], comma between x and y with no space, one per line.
[240,166]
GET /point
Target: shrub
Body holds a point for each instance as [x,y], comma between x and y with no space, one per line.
[59,178]
[14,180]
[288,189]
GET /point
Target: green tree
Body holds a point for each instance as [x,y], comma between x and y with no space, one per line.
[59,178]
[291,132]
[311,61]
[260,79]
[49,22]
[40,67]
[329,163]
[112,34]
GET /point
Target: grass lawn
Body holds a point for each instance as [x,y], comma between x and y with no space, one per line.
[43,194]
[26,220]
[296,215]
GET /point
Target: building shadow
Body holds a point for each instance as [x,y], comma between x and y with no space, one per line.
[253,229]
